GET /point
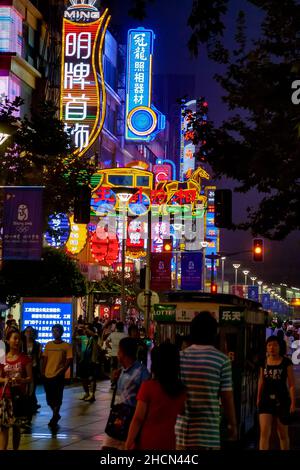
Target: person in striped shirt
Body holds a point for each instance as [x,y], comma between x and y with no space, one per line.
[206,374]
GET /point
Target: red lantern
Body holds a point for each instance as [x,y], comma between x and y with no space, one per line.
[104,246]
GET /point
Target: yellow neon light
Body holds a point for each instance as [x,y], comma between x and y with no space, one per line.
[78,237]
[140,108]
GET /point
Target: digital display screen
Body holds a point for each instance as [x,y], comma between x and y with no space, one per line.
[43,315]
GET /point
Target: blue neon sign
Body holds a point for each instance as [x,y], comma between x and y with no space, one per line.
[143,120]
[59,226]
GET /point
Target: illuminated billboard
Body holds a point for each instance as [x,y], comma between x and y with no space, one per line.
[143,120]
[212,233]
[187,148]
[43,314]
[83,94]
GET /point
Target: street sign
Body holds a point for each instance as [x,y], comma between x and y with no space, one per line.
[141,300]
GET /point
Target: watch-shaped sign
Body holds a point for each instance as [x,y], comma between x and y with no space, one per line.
[143,120]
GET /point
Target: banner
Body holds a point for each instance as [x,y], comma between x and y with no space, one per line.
[266,301]
[253,293]
[22,223]
[238,290]
[191,271]
[161,271]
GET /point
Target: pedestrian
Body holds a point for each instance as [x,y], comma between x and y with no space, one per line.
[89,363]
[33,349]
[15,376]
[275,400]
[159,401]
[206,374]
[57,358]
[130,378]
[112,344]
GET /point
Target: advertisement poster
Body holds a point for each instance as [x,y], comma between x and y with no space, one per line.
[161,271]
[253,293]
[22,223]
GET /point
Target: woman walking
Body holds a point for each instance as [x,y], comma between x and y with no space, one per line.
[159,401]
[33,349]
[276,394]
[15,375]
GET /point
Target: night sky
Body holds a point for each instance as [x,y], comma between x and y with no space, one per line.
[168,19]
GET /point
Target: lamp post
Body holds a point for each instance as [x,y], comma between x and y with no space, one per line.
[246,272]
[236,267]
[222,267]
[123,194]
[260,283]
[253,279]
[204,244]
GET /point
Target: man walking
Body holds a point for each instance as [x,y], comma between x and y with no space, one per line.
[206,374]
[131,376]
[57,358]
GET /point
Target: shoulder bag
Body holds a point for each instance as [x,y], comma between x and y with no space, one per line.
[119,419]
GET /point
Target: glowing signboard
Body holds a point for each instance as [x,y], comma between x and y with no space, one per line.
[78,237]
[212,233]
[162,172]
[59,231]
[83,94]
[43,315]
[143,120]
[187,148]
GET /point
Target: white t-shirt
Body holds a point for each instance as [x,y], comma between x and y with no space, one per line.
[114,340]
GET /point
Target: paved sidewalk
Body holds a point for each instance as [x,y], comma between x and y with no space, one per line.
[81,426]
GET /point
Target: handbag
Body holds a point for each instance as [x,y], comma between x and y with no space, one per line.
[119,419]
[6,410]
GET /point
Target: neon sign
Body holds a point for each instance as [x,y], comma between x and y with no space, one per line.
[59,231]
[82,78]
[143,120]
[212,233]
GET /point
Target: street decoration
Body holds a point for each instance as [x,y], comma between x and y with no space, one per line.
[59,230]
[83,94]
[135,243]
[78,237]
[104,246]
[143,120]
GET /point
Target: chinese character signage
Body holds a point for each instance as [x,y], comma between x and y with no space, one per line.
[43,315]
[23,219]
[77,238]
[231,315]
[143,120]
[83,94]
[187,148]
[212,233]
[161,271]
[191,271]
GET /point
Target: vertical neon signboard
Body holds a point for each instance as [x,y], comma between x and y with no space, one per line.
[187,148]
[143,120]
[212,233]
[83,94]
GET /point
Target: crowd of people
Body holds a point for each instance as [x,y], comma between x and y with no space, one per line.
[163,398]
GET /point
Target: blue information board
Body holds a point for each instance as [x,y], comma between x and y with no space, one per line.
[43,315]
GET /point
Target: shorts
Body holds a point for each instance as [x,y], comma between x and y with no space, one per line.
[274,407]
[54,388]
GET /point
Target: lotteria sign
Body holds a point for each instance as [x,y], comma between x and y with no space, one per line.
[143,120]
[83,94]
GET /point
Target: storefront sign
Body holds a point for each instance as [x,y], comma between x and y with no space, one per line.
[164,313]
[83,93]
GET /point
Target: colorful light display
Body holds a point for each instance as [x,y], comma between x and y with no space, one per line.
[59,230]
[143,120]
[212,233]
[162,172]
[83,94]
[78,237]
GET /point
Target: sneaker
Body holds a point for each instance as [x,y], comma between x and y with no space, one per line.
[85,396]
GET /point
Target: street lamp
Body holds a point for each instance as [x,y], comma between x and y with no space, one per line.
[222,280]
[204,244]
[246,272]
[236,267]
[260,283]
[253,279]
[124,194]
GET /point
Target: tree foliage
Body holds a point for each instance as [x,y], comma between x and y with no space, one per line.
[258,144]
[40,153]
[56,275]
